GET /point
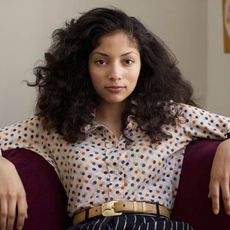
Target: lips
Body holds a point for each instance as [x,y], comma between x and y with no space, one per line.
[114,89]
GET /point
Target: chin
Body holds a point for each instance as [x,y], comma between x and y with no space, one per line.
[114,101]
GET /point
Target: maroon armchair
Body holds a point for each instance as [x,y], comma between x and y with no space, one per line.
[45,194]
[47,200]
[192,203]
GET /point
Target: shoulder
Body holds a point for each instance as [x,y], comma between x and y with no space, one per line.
[29,126]
[31,122]
[201,117]
[190,110]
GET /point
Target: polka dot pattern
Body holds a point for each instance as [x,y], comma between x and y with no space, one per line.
[103,168]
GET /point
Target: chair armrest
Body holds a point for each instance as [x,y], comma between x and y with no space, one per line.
[45,195]
[192,203]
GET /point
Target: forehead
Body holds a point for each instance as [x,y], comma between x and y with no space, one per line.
[118,38]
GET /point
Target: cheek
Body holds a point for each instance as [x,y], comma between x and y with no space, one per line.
[134,79]
[135,75]
[132,82]
[97,73]
[94,75]
[96,78]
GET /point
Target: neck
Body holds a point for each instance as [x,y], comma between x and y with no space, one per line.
[110,116]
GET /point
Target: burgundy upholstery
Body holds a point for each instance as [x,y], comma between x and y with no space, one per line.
[47,201]
[192,202]
[45,195]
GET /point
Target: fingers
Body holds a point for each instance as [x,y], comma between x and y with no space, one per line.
[13,202]
[8,212]
[3,214]
[11,213]
[22,212]
[214,194]
[226,196]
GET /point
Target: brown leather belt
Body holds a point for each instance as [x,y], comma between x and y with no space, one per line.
[115,208]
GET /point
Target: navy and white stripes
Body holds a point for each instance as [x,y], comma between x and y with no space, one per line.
[132,222]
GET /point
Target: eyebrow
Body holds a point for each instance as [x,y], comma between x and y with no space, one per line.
[106,55]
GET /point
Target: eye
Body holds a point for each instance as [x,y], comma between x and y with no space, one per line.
[100,62]
[128,61]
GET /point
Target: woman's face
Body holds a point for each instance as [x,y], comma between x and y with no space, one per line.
[114,67]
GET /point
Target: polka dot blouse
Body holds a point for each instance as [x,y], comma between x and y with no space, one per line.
[103,168]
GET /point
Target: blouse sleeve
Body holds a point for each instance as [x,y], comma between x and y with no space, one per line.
[28,134]
[198,123]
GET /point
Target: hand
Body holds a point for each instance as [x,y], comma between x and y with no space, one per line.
[12,197]
[220,178]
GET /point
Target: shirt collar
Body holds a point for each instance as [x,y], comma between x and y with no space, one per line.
[128,131]
[131,128]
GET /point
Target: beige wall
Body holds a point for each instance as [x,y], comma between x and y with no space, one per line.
[218,63]
[26,26]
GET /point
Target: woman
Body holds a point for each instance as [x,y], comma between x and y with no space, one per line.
[113,117]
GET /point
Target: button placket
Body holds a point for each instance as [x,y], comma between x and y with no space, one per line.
[108,173]
[119,162]
[113,164]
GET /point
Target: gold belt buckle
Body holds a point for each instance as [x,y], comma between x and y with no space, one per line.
[108,209]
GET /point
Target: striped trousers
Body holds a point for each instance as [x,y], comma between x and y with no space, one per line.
[132,222]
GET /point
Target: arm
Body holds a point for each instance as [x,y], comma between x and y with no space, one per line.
[14,181]
[220,178]
[12,196]
[199,123]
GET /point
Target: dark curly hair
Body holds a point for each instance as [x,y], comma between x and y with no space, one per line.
[66,97]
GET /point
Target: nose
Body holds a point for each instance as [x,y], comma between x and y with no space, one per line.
[115,72]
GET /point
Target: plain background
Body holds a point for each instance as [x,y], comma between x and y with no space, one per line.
[192,29]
